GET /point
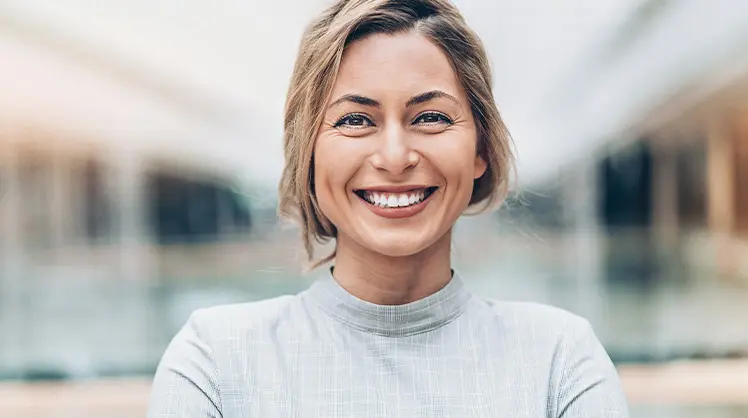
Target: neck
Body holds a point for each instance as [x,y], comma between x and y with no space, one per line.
[386,280]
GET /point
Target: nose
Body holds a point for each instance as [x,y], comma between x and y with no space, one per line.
[395,153]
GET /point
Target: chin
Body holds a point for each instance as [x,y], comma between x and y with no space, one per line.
[396,250]
[398,245]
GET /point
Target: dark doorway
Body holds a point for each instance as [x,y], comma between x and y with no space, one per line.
[626,214]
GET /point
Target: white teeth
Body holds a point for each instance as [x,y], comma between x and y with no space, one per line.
[394,200]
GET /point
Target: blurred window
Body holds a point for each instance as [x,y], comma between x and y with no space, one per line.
[189,210]
[626,188]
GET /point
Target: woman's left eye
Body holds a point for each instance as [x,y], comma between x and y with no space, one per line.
[432,118]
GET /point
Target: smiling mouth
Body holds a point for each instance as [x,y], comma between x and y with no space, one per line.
[396,200]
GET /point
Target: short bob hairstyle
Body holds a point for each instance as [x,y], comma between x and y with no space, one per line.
[314,75]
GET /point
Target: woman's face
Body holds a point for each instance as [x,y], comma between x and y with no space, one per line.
[395,157]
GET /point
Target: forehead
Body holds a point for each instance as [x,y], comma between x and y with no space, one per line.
[389,64]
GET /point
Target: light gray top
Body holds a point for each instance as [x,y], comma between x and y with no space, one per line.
[325,353]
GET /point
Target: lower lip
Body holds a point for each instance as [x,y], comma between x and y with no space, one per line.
[398,213]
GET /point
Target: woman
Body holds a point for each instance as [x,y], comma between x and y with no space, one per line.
[391,133]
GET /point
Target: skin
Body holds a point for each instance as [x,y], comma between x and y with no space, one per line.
[374,136]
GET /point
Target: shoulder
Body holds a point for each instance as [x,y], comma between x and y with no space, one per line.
[199,361]
[532,315]
[580,375]
[559,346]
[216,320]
[544,329]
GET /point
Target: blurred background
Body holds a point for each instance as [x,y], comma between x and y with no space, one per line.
[140,146]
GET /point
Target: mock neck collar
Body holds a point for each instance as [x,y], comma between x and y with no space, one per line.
[431,312]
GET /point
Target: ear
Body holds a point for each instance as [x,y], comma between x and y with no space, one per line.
[480,166]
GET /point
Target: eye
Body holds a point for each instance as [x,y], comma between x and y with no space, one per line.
[432,118]
[354,121]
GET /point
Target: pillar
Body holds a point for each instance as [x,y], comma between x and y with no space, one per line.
[127,192]
[585,242]
[720,178]
[61,211]
[125,185]
[12,317]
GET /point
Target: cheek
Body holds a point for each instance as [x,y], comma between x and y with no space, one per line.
[322,175]
[456,157]
[331,175]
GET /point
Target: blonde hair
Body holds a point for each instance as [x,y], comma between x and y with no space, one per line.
[312,82]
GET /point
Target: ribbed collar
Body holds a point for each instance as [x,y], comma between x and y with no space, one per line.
[412,318]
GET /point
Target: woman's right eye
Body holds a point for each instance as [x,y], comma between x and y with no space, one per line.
[354,121]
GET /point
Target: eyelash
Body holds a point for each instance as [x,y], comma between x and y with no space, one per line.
[440,118]
[349,116]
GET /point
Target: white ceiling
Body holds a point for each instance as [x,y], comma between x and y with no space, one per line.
[209,78]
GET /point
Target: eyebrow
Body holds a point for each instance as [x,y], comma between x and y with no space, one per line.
[428,96]
[355,98]
[413,101]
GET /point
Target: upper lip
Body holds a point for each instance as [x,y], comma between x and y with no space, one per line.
[394,189]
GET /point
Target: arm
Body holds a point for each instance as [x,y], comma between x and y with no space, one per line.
[589,385]
[185,384]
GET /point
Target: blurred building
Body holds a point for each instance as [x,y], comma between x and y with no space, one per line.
[661,110]
[111,184]
[698,177]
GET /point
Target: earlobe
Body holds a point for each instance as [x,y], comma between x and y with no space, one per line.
[480,167]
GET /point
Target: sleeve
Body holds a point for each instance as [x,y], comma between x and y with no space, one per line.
[185,384]
[589,385]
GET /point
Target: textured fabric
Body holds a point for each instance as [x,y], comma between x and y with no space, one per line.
[325,353]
